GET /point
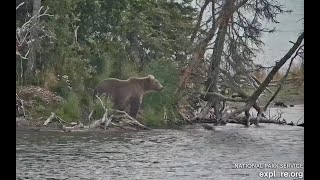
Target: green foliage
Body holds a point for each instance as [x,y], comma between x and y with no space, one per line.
[158,103]
[79,104]
[78,71]
[153,118]
[130,70]
[120,39]
[62,89]
[70,110]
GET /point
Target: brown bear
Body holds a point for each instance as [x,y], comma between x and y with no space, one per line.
[127,95]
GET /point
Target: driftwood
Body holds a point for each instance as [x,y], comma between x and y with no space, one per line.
[54,116]
[207,122]
[120,119]
[112,117]
[242,120]
[20,110]
[49,119]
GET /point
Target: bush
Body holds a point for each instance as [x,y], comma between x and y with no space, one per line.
[156,103]
[153,118]
[70,110]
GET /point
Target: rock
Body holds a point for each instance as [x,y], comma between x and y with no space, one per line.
[302,125]
[281,104]
[208,126]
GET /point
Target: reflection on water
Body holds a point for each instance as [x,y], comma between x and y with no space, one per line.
[294,114]
[191,153]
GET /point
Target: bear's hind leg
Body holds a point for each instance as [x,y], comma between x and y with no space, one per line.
[134,107]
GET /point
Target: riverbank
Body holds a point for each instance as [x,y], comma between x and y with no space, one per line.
[40,102]
[290,94]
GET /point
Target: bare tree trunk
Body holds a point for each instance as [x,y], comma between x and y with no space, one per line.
[33,38]
[200,48]
[196,58]
[212,86]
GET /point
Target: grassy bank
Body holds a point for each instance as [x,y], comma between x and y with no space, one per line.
[40,102]
[291,94]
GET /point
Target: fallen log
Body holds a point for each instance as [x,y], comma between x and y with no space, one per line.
[242,120]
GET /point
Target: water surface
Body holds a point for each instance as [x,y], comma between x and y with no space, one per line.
[190,153]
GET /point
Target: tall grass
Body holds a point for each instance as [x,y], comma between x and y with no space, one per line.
[70,110]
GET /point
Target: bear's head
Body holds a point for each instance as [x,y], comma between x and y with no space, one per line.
[152,84]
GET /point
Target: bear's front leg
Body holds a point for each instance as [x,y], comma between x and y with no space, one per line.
[134,106]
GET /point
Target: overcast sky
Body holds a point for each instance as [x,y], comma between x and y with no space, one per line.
[291,25]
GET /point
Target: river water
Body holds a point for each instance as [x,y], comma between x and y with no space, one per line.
[229,152]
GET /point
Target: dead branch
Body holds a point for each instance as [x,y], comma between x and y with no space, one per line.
[128,119]
[20,106]
[259,83]
[243,121]
[299,120]
[185,118]
[90,115]
[20,5]
[282,81]
[220,97]
[252,99]
[196,29]
[75,39]
[120,119]
[50,118]
[23,33]
[201,45]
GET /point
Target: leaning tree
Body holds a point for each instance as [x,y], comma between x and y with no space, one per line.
[225,43]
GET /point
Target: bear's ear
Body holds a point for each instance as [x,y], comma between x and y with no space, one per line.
[150,76]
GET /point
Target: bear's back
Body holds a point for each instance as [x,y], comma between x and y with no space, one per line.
[111,86]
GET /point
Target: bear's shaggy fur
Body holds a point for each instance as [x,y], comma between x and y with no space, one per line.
[127,95]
